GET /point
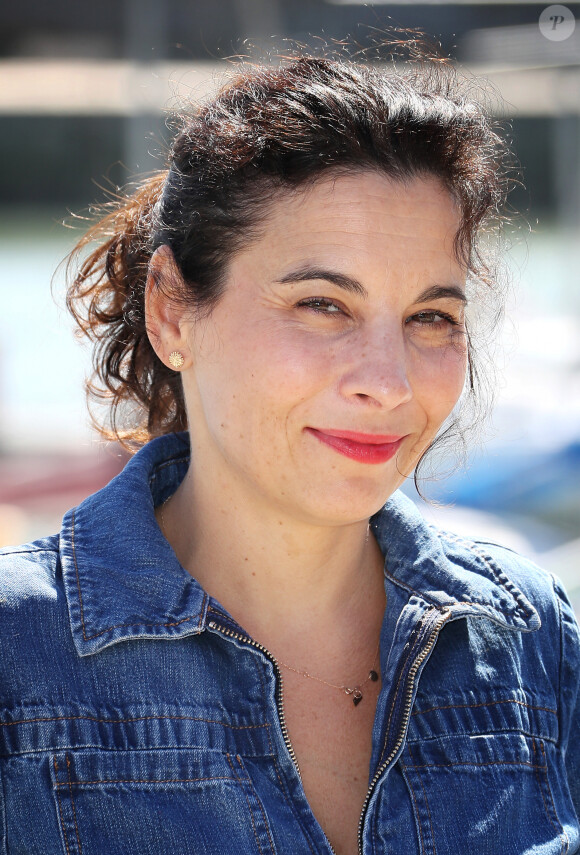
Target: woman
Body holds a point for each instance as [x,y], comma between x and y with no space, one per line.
[237,646]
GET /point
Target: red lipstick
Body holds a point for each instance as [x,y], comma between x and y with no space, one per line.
[364,447]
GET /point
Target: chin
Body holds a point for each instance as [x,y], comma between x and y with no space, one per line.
[352,504]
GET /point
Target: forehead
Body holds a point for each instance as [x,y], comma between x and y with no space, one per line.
[361,218]
[377,202]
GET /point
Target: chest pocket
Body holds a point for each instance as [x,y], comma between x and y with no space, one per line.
[157,801]
[488,784]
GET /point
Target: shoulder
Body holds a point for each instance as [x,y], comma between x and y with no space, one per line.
[524,571]
[520,573]
[472,575]
[28,569]
[543,589]
[32,604]
[556,644]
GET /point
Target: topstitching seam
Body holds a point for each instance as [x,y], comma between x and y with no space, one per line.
[562,832]
[60,806]
[119,625]
[260,805]
[485,704]
[72,801]
[102,781]
[496,572]
[412,791]
[136,719]
[426,802]
[247,801]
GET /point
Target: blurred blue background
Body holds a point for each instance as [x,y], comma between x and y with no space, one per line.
[85,92]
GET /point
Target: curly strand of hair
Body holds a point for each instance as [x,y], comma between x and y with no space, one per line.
[106,299]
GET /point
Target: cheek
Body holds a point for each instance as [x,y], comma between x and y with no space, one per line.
[440,379]
[252,384]
[437,385]
[286,367]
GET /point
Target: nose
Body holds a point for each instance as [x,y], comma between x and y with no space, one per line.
[376,369]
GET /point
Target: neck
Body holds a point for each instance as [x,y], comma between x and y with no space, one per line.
[282,579]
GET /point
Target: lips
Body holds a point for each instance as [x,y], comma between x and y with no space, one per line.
[364,447]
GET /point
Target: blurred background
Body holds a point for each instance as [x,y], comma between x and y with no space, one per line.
[85,92]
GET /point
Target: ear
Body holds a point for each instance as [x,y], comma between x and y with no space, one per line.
[165,319]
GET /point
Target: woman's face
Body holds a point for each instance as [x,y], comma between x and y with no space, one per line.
[336,352]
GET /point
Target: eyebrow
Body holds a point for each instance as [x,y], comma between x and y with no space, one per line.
[348,283]
[442,292]
[303,274]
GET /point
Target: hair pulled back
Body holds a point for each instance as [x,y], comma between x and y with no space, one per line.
[270,130]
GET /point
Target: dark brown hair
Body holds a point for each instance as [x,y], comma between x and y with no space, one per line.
[272,129]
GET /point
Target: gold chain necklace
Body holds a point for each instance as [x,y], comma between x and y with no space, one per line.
[352,691]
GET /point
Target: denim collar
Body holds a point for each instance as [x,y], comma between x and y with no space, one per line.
[123,581]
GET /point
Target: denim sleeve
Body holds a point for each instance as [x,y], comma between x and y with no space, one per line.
[3,841]
[573,760]
[569,692]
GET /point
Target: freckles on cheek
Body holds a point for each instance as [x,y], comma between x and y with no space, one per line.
[443,379]
[297,362]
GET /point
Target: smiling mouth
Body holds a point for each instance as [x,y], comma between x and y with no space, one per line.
[364,447]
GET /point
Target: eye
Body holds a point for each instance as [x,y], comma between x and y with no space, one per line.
[435,320]
[321,305]
[437,328]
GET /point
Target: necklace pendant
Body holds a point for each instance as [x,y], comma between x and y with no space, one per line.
[357,696]
[373,676]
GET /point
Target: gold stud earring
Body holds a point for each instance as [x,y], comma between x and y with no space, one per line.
[176,359]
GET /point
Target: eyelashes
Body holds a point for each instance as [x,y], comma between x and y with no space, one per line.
[433,318]
[429,320]
[322,306]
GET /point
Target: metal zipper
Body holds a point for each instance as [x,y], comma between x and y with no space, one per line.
[423,654]
[279,699]
[279,693]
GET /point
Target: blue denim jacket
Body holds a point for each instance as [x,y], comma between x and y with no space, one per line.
[138,718]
